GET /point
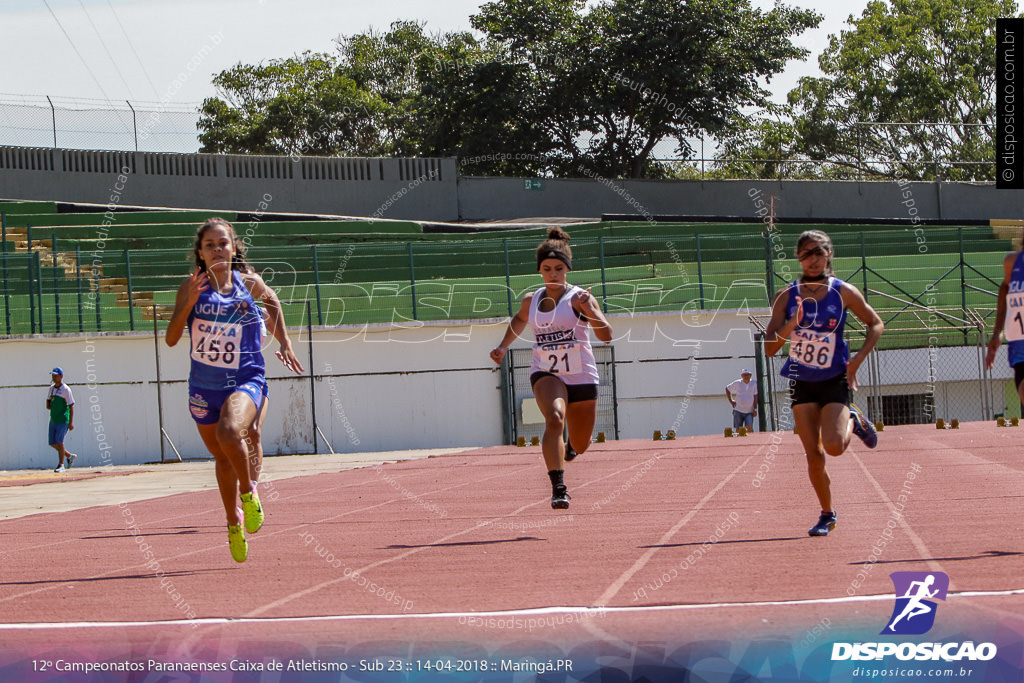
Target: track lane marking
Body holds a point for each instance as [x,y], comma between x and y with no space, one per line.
[617,585]
[536,611]
[411,551]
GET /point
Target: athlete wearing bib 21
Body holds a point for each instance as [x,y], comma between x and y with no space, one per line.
[563,372]
[562,345]
[1009,319]
[817,348]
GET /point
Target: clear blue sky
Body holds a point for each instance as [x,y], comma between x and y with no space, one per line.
[151,51]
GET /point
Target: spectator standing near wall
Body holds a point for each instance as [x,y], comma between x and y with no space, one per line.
[61,404]
[742,395]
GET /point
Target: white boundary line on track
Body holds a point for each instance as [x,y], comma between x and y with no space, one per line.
[617,585]
[411,551]
[500,613]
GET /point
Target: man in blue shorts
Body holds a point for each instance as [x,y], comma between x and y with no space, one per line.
[61,404]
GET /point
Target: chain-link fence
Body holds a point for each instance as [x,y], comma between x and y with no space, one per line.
[917,376]
[523,418]
[80,123]
[75,123]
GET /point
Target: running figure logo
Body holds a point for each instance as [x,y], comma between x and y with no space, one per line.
[914,612]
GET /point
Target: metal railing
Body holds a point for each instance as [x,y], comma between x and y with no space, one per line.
[56,286]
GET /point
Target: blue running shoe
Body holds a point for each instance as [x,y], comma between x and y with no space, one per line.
[862,427]
[826,523]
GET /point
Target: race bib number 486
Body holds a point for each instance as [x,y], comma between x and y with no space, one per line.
[216,344]
[813,349]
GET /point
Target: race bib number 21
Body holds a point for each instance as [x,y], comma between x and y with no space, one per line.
[562,359]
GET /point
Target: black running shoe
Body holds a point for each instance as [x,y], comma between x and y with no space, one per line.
[826,523]
[570,452]
[560,498]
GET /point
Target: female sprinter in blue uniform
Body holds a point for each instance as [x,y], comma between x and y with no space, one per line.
[811,315]
[563,371]
[227,386]
[1010,319]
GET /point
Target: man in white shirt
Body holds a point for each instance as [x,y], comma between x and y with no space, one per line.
[742,394]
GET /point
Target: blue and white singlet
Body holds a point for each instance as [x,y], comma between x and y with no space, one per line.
[817,349]
[226,340]
[1013,326]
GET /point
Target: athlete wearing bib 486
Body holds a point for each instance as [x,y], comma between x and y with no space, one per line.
[227,387]
[1010,319]
[810,315]
[563,372]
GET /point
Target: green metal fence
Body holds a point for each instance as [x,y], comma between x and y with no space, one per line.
[64,288]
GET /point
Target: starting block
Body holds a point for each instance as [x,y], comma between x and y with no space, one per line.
[879,426]
[521,442]
[940,424]
[657,435]
[600,437]
[1003,422]
[535,441]
[742,431]
[954,423]
[728,431]
[671,435]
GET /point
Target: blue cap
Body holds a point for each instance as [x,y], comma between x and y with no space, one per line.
[57,371]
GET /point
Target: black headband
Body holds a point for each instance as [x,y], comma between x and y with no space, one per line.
[555,254]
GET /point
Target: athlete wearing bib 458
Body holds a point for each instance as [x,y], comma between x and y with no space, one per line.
[227,387]
[1010,319]
[563,372]
[810,314]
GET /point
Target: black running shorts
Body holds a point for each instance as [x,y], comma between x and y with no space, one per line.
[577,392]
[832,390]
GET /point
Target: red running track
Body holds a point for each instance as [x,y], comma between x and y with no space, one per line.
[678,539]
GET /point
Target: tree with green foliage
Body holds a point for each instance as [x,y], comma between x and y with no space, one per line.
[360,102]
[908,92]
[554,87]
[299,105]
[612,81]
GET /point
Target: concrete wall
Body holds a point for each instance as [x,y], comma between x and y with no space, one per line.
[388,188]
[430,189]
[385,387]
[377,387]
[481,198]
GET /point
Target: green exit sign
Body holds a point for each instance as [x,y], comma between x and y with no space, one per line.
[534,184]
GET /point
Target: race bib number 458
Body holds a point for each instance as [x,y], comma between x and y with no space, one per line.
[813,349]
[216,344]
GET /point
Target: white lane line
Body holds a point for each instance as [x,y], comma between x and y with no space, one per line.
[218,546]
[914,538]
[617,585]
[412,551]
[538,611]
